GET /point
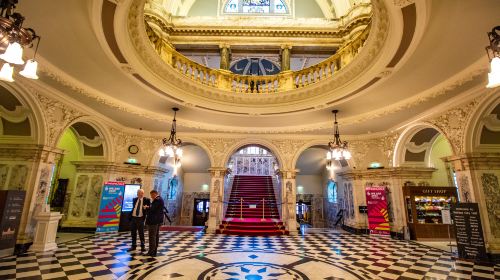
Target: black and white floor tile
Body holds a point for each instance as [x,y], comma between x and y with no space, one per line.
[326,255]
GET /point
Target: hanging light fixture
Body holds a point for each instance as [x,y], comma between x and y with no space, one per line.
[172,145]
[338,149]
[493,51]
[13,38]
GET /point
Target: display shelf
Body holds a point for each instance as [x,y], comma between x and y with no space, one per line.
[424,208]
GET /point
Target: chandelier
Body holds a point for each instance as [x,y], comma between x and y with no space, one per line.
[493,51]
[338,149]
[171,145]
[13,38]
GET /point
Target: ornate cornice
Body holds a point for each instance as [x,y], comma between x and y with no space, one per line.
[207,95]
[389,173]
[112,167]
[475,161]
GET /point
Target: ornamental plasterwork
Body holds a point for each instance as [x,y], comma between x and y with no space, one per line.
[360,148]
[453,123]
[403,3]
[148,145]
[287,149]
[491,190]
[150,58]
[219,147]
[58,117]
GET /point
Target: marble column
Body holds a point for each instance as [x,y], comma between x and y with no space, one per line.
[225,56]
[289,196]
[215,213]
[478,179]
[285,57]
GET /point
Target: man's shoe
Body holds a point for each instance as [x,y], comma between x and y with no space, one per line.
[131,249]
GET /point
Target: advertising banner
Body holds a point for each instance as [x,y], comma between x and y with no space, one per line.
[130,194]
[378,216]
[110,207]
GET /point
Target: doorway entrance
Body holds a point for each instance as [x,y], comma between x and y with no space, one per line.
[200,215]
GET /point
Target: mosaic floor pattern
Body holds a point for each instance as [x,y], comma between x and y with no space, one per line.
[324,255]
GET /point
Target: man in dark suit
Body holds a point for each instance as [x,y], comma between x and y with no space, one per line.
[138,217]
[154,220]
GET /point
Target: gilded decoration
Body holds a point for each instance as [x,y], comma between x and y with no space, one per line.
[491,190]
[58,117]
[453,124]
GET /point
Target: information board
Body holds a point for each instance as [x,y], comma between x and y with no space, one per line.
[469,233]
[11,203]
[110,207]
[378,216]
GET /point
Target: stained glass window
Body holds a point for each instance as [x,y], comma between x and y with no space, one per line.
[267,7]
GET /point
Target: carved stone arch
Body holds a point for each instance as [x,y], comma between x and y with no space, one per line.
[252,141]
[155,158]
[316,142]
[480,117]
[102,130]
[35,116]
[406,136]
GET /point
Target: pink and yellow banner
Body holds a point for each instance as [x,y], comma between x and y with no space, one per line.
[378,217]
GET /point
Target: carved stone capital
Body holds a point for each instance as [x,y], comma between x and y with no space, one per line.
[475,161]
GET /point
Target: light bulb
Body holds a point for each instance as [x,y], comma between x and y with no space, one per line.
[347,154]
[13,54]
[328,155]
[161,152]
[30,70]
[6,72]
[169,151]
[494,75]
[178,152]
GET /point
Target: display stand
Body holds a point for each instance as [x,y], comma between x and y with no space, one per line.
[46,231]
[427,211]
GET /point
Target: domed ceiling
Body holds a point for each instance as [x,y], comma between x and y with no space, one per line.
[418,55]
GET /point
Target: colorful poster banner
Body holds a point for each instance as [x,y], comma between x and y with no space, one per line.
[110,207]
[378,217]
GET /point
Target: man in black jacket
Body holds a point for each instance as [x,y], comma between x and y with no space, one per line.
[154,219]
[138,216]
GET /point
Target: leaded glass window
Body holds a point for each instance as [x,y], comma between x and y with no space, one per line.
[266,7]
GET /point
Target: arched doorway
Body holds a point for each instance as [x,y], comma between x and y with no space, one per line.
[185,188]
[253,160]
[77,188]
[318,195]
[426,146]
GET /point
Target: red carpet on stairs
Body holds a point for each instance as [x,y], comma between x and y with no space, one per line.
[252,208]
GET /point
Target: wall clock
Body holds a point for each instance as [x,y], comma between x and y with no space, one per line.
[133,149]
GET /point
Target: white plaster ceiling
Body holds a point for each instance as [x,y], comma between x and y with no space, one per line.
[453,41]
[312,161]
[194,159]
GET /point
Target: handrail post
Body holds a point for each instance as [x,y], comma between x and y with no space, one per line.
[263,209]
[241,208]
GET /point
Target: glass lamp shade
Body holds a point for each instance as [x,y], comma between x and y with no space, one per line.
[169,151]
[494,75]
[6,73]
[347,154]
[178,152]
[161,152]
[30,70]
[328,155]
[13,54]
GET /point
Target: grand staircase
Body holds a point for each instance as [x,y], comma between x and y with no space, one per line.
[247,213]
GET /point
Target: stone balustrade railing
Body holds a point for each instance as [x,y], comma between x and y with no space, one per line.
[284,81]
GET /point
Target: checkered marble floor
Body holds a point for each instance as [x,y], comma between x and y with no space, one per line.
[325,255]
